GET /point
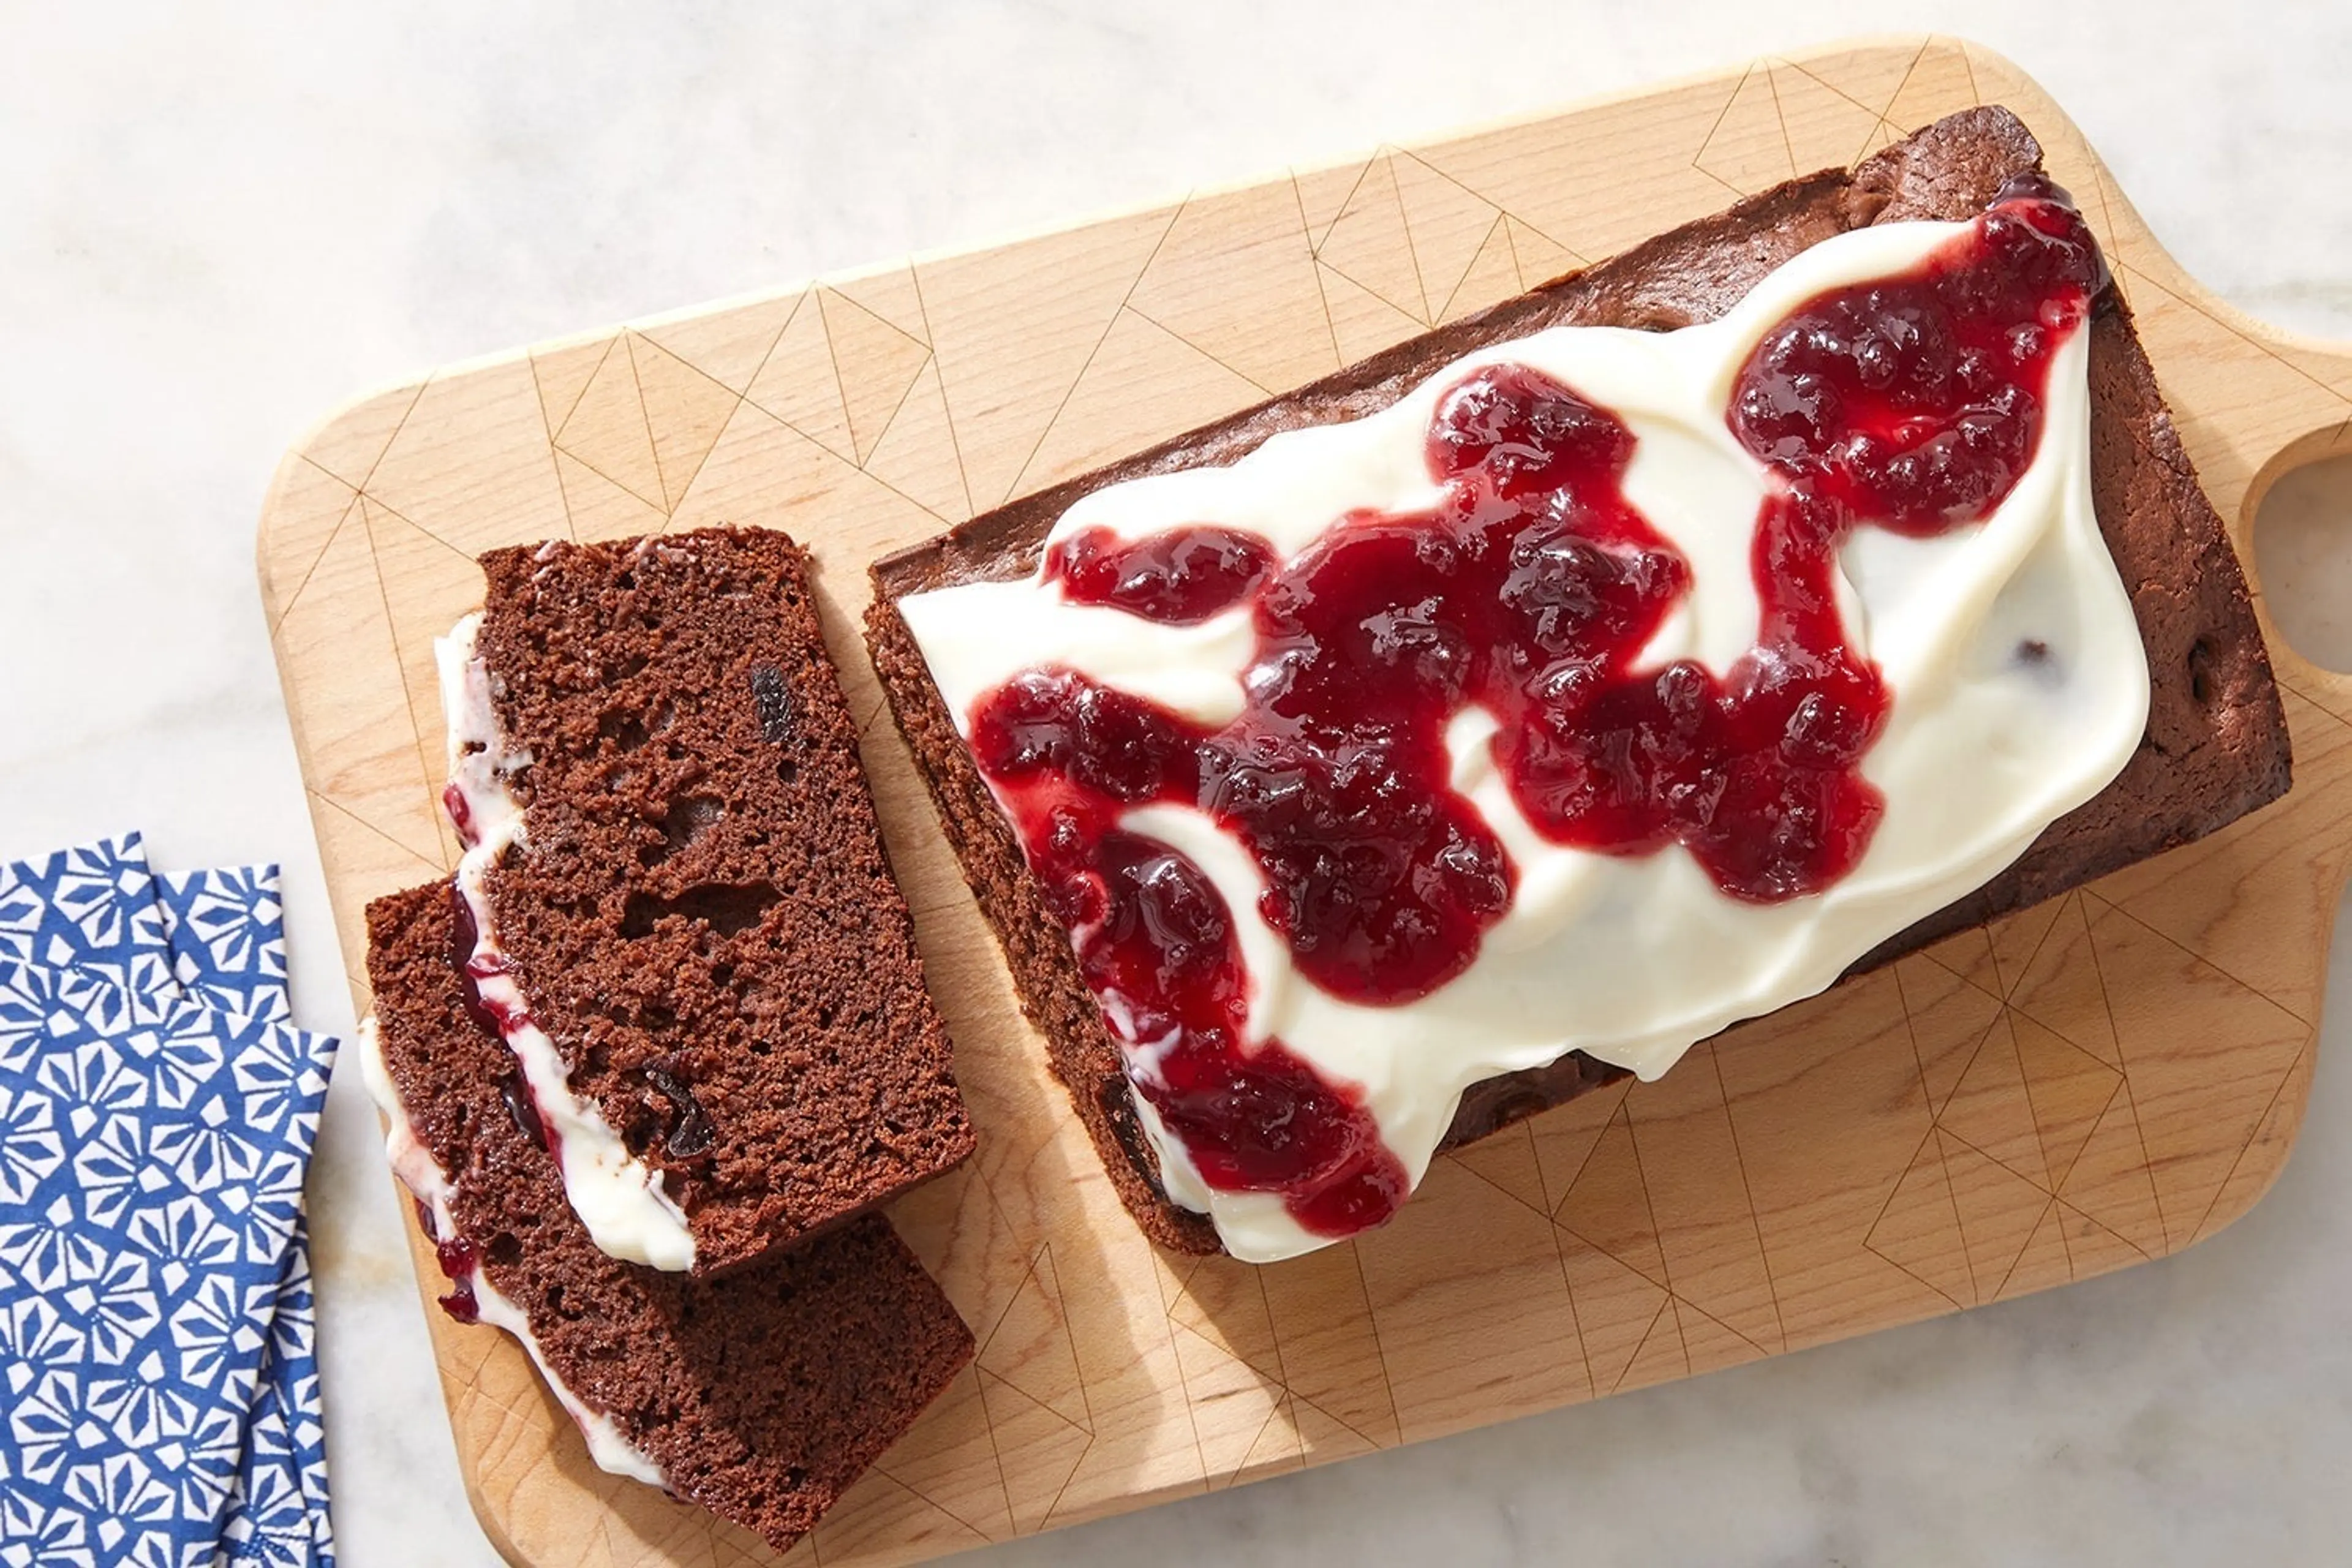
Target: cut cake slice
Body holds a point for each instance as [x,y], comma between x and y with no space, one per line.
[684,922]
[761,1393]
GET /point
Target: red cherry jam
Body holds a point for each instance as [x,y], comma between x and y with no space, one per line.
[460,812]
[1180,578]
[496,1019]
[1911,403]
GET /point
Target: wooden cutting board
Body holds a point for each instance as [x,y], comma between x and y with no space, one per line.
[2087,1085]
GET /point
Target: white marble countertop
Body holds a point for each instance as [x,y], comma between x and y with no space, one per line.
[221,221]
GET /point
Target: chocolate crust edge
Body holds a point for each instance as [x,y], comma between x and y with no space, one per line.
[2216,746]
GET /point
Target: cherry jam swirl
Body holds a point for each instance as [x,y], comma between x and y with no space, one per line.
[1911,402]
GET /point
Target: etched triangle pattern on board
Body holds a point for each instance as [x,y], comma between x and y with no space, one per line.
[917,455]
[1539,257]
[1709,1343]
[1008,354]
[353,442]
[2219,365]
[1507,1160]
[2204,1056]
[2043,1262]
[1362,323]
[1614,1308]
[1493,276]
[597,508]
[948,1460]
[1938,83]
[1608,1206]
[685,410]
[2059,987]
[729,346]
[1446,225]
[798,384]
[1030,1346]
[469,464]
[380,780]
[2110,1183]
[2255,1170]
[763,473]
[1969,955]
[1566,1135]
[892,294]
[1948,1019]
[1370,245]
[2193,896]
[878,364]
[307,506]
[1708,1230]
[1322,195]
[1330,1350]
[1272,331]
[2091,1247]
[428,588]
[1990,1110]
[877,1509]
[1223,1302]
[563,374]
[1867,78]
[1997,1210]
[1143,384]
[1231,1402]
[1323,1436]
[2016,938]
[1661,1356]
[1881,139]
[1039,1450]
[1602,180]
[1825,127]
[1277,1448]
[1747,150]
[606,430]
[2070,1090]
[1918,1231]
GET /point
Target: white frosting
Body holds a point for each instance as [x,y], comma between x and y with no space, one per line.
[422,1174]
[617,1196]
[1629,958]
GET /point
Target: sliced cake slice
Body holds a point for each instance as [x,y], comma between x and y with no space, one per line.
[681,918]
[760,1394]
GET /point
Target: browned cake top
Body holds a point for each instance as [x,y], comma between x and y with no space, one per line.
[701,916]
[761,1393]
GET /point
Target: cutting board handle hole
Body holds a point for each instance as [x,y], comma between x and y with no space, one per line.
[2302,554]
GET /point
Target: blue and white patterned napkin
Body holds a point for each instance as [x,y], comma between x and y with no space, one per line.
[92,912]
[227,935]
[156,1117]
[227,938]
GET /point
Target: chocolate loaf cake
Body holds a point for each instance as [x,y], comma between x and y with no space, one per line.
[696,915]
[760,1394]
[2216,742]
